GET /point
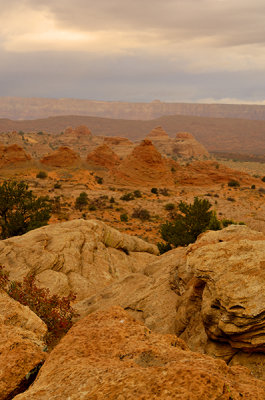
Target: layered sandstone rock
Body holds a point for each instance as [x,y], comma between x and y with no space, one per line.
[157,133]
[185,145]
[63,157]
[108,355]
[221,308]
[104,157]
[147,295]
[78,132]
[12,155]
[21,345]
[144,166]
[79,256]
[202,173]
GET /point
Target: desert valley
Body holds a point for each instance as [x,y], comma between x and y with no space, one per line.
[131,318]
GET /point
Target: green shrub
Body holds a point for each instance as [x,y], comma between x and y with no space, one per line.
[41,175]
[190,222]
[124,217]
[92,207]
[164,192]
[137,194]
[169,206]
[81,201]
[99,180]
[127,197]
[233,183]
[57,185]
[141,213]
[20,210]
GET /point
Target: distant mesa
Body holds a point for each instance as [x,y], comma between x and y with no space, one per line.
[158,133]
[145,166]
[63,157]
[12,155]
[103,156]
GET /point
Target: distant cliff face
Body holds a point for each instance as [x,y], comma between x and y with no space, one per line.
[30,108]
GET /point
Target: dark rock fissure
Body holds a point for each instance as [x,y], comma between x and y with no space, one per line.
[26,382]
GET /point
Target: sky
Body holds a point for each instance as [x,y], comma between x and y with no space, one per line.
[134,50]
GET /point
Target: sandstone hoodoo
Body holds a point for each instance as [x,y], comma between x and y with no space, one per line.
[185,145]
[157,133]
[63,157]
[13,155]
[103,156]
[145,166]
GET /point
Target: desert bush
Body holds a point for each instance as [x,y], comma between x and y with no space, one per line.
[127,197]
[57,185]
[233,183]
[124,217]
[142,213]
[154,190]
[263,179]
[55,311]
[230,199]
[190,221]
[112,200]
[169,206]
[99,180]
[41,175]
[20,210]
[81,201]
[253,186]
[164,192]
[137,193]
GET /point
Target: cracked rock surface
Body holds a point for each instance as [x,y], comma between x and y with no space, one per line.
[112,356]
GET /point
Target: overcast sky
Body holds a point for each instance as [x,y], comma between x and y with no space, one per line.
[134,50]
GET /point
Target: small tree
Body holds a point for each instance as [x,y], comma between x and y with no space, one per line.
[20,210]
[191,220]
[81,201]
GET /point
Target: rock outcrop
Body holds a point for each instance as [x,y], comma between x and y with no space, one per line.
[12,155]
[104,157]
[144,167]
[157,133]
[21,345]
[221,308]
[108,355]
[185,145]
[79,256]
[63,157]
[203,173]
[78,132]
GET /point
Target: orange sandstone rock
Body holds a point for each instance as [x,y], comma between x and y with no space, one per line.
[108,355]
[63,157]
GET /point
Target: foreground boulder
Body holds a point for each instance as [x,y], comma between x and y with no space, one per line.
[221,307]
[21,346]
[111,356]
[79,256]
